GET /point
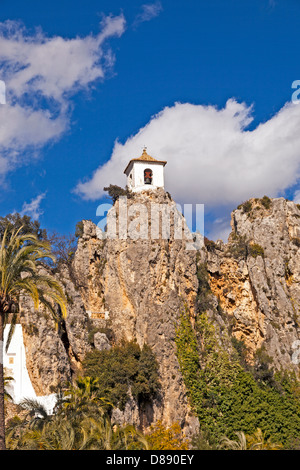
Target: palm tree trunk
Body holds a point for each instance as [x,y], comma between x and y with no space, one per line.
[2,417]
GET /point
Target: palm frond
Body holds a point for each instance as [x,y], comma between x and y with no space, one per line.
[21,273]
[11,330]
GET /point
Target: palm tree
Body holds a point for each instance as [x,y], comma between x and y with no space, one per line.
[21,258]
[259,441]
[103,434]
[255,441]
[239,444]
[81,398]
[6,380]
[81,422]
[37,415]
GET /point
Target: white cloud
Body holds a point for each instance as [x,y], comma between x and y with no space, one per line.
[220,228]
[149,11]
[41,74]
[33,208]
[297,197]
[212,157]
[2,92]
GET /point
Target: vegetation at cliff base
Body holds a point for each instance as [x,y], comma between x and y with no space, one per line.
[21,254]
[80,422]
[122,370]
[167,438]
[226,397]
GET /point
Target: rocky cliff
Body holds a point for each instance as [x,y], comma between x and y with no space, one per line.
[135,289]
[255,276]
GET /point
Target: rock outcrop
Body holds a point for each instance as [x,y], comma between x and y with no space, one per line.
[131,288]
[54,352]
[256,278]
[137,288]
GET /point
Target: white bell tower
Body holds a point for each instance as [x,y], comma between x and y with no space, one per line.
[145,173]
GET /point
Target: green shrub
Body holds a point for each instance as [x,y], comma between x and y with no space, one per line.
[238,247]
[122,368]
[115,192]
[210,244]
[266,202]
[203,278]
[204,294]
[262,370]
[23,223]
[79,229]
[226,397]
[246,206]
[241,349]
[256,250]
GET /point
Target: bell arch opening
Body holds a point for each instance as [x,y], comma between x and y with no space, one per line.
[148,176]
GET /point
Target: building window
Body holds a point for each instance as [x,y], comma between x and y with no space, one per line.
[148,176]
[11,360]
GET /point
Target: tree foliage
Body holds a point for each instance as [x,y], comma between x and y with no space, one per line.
[80,422]
[63,248]
[26,225]
[123,369]
[161,437]
[115,192]
[226,397]
[21,254]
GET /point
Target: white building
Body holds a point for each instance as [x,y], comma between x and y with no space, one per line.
[14,362]
[145,173]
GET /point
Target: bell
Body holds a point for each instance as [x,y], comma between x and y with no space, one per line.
[148,177]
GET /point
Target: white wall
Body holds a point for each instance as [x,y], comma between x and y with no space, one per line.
[136,183]
[14,362]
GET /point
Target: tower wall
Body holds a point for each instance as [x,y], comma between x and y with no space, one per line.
[136,182]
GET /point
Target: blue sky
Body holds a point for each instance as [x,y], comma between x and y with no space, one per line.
[205,85]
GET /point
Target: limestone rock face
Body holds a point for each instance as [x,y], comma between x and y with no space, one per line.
[256,277]
[137,288]
[74,332]
[89,263]
[101,342]
[47,361]
[54,351]
[129,287]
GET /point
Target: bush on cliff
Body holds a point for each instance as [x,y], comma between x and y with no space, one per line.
[123,369]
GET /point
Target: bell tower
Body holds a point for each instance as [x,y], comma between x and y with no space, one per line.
[145,173]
